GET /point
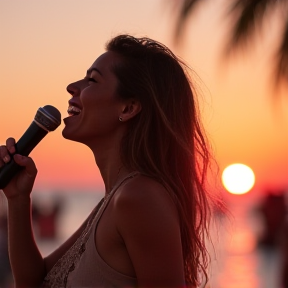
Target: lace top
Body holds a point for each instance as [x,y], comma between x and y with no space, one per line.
[58,276]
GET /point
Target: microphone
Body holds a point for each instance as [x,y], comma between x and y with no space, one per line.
[47,119]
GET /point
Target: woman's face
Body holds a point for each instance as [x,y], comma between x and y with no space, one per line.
[95,107]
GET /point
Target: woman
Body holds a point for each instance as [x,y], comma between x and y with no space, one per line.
[135,109]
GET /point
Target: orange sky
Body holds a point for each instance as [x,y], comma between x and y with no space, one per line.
[47,44]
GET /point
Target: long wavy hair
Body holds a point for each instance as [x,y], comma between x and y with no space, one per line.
[166,140]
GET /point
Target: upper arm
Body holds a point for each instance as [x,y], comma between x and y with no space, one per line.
[148,222]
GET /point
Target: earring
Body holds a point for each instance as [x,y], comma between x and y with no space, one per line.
[120,119]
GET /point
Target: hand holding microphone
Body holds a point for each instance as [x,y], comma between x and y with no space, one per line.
[47,119]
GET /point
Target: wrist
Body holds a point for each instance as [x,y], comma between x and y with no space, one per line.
[19,199]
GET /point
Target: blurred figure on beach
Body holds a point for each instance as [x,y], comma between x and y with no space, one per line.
[273,211]
[284,271]
[45,215]
[5,269]
[273,240]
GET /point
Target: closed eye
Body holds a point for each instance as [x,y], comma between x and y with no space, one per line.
[92,80]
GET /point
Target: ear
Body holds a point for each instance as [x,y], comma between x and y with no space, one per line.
[130,109]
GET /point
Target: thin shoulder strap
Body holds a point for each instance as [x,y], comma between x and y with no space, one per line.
[108,197]
[115,188]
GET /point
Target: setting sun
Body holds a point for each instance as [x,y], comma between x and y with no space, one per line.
[238,178]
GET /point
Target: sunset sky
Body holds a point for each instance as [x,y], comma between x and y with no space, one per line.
[47,44]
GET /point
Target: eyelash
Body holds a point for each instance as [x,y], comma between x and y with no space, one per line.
[92,80]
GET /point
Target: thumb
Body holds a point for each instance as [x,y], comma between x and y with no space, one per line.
[26,162]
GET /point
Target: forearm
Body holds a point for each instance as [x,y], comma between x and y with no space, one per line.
[26,261]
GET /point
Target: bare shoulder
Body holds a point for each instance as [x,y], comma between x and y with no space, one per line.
[143,190]
[143,195]
[147,221]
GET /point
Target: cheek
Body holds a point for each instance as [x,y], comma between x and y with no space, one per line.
[94,97]
[88,96]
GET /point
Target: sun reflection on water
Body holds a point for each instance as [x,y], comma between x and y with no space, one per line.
[239,262]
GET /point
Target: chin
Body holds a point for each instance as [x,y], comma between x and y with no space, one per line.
[67,135]
[71,136]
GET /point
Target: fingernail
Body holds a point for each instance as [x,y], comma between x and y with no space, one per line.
[6,159]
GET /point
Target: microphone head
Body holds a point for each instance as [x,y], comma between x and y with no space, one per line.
[48,118]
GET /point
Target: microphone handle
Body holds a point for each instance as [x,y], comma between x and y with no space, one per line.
[33,135]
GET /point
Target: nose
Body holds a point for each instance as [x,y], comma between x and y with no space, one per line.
[73,89]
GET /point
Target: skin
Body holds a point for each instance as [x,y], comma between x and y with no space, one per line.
[138,234]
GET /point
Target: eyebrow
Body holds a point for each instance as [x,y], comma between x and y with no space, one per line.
[89,71]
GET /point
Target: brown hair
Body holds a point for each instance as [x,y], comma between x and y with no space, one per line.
[166,139]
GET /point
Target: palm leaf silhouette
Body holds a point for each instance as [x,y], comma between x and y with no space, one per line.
[249,15]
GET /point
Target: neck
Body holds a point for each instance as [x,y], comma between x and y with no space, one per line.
[107,157]
[111,167]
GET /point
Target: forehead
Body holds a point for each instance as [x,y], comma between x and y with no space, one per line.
[105,61]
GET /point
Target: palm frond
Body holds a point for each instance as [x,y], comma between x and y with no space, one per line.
[249,15]
[282,58]
[186,8]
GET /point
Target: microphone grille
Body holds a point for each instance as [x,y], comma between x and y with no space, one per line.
[48,117]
